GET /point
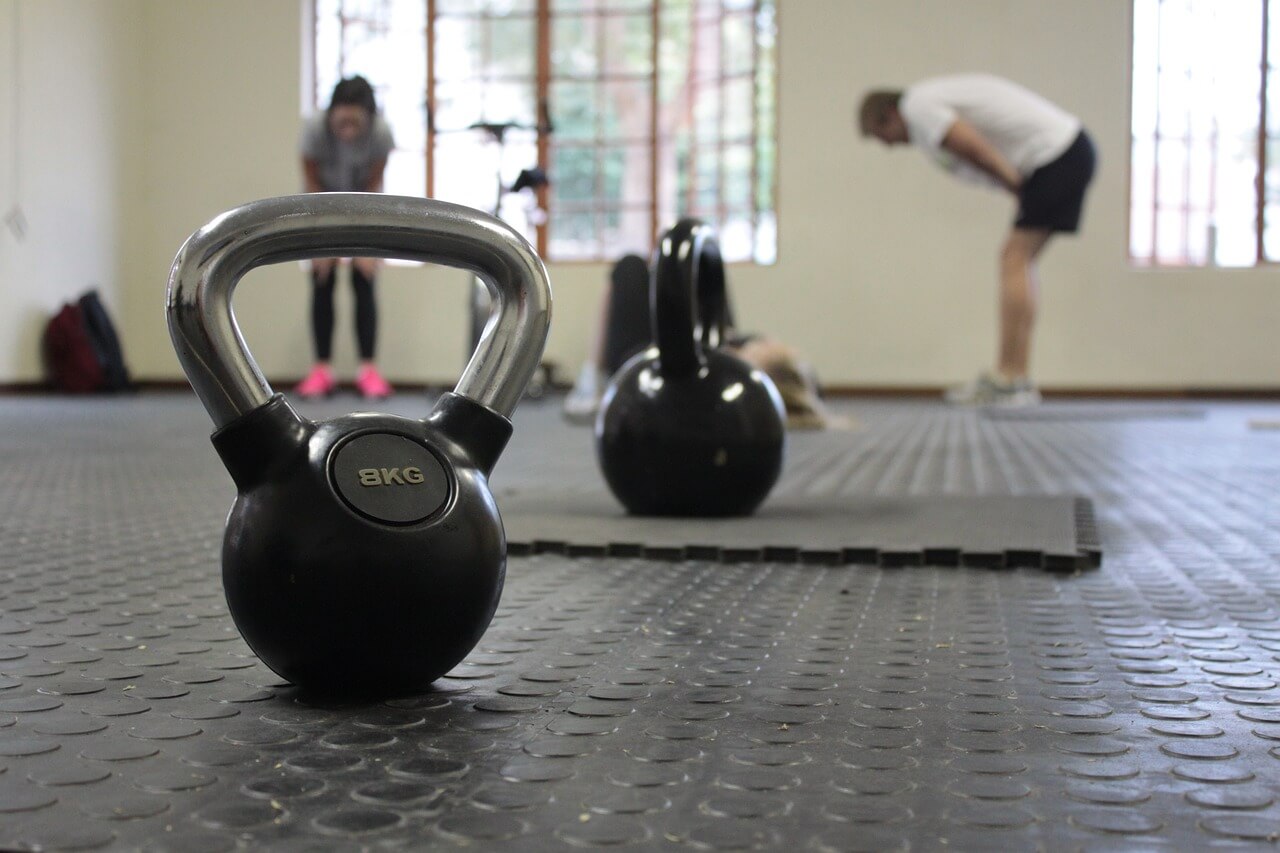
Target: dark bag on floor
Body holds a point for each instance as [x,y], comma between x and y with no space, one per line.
[71,362]
[81,350]
[102,333]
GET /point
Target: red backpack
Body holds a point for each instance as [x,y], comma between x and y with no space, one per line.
[71,361]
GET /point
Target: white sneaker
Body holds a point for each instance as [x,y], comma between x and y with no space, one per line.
[989,391]
[583,400]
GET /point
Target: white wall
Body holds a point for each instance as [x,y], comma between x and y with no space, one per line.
[886,269]
[903,260]
[67,139]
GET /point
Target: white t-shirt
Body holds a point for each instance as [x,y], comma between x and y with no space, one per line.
[1026,129]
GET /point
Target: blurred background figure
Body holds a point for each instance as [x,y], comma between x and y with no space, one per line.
[345,149]
[624,331]
[991,131]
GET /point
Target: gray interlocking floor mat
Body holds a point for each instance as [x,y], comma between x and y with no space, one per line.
[1030,530]
[639,704]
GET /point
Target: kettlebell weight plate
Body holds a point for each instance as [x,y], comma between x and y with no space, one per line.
[389,478]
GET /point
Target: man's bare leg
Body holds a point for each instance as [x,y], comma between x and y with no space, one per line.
[1018,294]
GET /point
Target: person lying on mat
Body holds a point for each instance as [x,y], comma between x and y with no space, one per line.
[624,331]
[983,128]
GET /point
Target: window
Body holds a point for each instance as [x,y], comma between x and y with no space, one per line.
[1205,157]
[638,111]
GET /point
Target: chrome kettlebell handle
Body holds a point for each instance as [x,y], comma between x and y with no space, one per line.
[207,268]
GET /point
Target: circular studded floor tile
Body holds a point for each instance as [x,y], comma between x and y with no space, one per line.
[745,806]
[164,730]
[1100,769]
[34,704]
[603,831]
[428,767]
[123,807]
[506,704]
[174,781]
[1232,797]
[209,712]
[68,725]
[209,754]
[989,788]
[67,838]
[865,840]
[15,746]
[322,763]
[1225,773]
[1115,821]
[570,725]
[1259,714]
[723,835]
[627,801]
[18,797]
[647,775]
[866,810]
[191,841]
[283,787]
[1243,827]
[510,797]
[560,747]
[357,822]
[119,750]
[991,816]
[1108,793]
[114,707]
[1097,747]
[396,794]
[480,828]
[242,815]
[757,779]
[989,764]
[72,772]
[1207,750]
[775,735]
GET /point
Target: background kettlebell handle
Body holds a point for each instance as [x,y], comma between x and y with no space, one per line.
[324,225]
[688,299]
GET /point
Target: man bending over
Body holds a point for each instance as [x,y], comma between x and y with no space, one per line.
[986,129]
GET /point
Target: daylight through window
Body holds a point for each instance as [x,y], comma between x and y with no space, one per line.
[1205,159]
[638,112]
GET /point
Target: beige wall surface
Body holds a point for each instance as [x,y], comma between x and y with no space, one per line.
[67,138]
[886,266]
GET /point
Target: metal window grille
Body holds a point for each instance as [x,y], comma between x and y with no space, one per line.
[1205,140]
[657,109]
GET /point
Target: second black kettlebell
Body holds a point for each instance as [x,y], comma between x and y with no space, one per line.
[686,429]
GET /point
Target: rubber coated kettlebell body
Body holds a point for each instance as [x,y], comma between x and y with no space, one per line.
[367,551]
[686,429]
[363,554]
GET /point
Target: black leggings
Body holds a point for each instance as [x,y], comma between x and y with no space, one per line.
[322,313]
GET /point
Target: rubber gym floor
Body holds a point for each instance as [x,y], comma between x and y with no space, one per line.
[643,704]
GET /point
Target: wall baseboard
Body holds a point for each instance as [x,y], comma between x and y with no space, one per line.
[14,389]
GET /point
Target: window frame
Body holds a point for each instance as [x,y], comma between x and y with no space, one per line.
[1152,260]
[542,77]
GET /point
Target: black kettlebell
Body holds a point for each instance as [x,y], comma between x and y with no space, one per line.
[363,554]
[685,428]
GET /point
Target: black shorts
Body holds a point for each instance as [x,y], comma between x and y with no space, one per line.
[1053,195]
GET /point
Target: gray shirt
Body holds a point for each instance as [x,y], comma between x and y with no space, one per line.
[344,167]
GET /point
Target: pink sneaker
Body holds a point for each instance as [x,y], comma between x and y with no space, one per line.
[319,383]
[371,385]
